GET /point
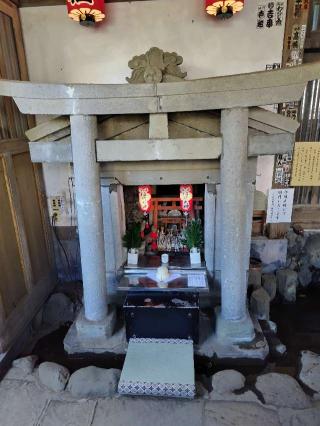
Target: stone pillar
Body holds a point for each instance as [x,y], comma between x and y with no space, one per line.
[119,224]
[251,187]
[108,240]
[233,321]
[209,226]
[89,209]
[114,229]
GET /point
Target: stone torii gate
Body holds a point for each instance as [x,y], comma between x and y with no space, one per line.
[235,96]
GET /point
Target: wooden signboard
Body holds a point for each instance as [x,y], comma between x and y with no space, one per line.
[293,50]
[306,164]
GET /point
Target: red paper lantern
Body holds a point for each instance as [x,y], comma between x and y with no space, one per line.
[224,9]
[186,198]
[145,201]
[87,12]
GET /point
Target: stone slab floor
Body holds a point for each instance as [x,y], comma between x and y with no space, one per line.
[25,402]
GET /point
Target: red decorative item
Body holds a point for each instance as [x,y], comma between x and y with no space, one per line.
[186,198]
[87,12]
[224,9]
[154,235]
[145,201]
[154,246]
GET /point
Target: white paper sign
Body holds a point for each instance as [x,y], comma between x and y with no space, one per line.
[196,281]
[280,203]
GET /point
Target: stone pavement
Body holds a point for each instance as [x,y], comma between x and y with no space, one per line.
[25,402]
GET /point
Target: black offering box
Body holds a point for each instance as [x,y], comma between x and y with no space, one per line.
[162,315]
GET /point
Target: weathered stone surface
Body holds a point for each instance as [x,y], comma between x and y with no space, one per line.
[287,281]
[254,278]
[90,330]
[239,414]
[58,309]
[148,411]
[305,275]
[292,263]
[21,403]
[73,343]
[310,370]
[227,381]
[273,326]
[15,373]
[260,304]
[53,376]
[26,363]
[277,348]
[304,255]
[272,253]
[30,404]
[291,237]
[93,382]
[312,249]
[281,349]
[290,417]
[282,390]
[295,243]
[68,413]
[247,396]
[269,283]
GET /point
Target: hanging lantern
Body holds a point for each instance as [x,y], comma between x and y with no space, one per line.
[145,201]
[87,12]
[186,198]
[223,9]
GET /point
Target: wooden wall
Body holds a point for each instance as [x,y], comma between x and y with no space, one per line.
[26,262]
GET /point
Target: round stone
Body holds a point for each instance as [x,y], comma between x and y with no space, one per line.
[282,390]
[54,376]
[227,381]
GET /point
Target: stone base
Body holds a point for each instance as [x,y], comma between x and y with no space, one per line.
[95,337]
[210,345]
[95,329]
[234,331]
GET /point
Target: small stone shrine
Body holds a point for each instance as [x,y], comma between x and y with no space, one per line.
[222,132]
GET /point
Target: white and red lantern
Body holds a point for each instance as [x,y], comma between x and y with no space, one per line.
[145,198]
[224,9]
[87,12]
[186,198]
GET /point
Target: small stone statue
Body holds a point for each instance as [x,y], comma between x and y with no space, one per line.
[156,66]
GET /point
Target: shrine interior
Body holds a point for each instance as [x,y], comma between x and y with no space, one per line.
[162,228]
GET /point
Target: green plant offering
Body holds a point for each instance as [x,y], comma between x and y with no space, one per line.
[132,238]
[193,235]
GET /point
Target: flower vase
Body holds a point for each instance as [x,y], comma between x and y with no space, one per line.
[133,257]
[195,258]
